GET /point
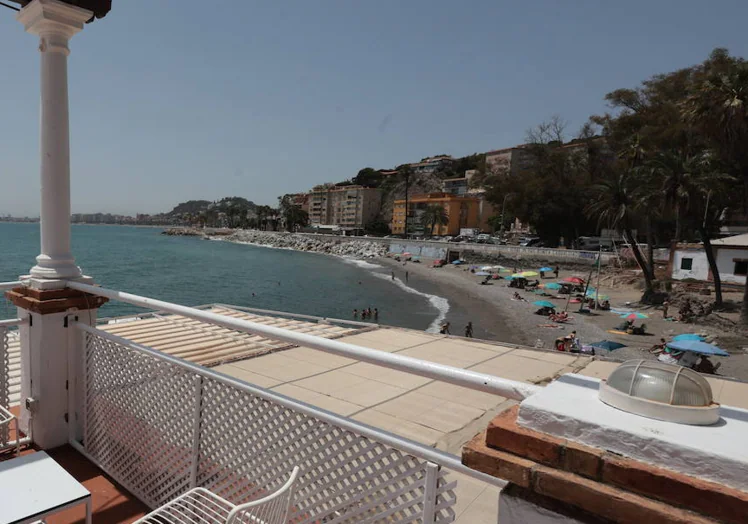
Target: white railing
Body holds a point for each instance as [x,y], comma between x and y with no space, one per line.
[10,285]
[160,425]
[6,367]
[462,377]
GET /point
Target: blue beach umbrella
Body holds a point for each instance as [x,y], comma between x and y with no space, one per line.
[544,303]
[696,346]
[483,274]
[545,269]
[688,336]
[511,277]
[457,262]
[553,285]
[608,345]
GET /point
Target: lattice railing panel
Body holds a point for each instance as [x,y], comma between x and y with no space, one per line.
[139,413]
[158,429]
[4,381]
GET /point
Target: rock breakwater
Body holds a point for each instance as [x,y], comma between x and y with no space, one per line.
[343,247]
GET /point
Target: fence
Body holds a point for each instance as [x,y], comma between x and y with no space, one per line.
[159,426]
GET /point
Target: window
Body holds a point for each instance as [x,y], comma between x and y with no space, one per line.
[741,267]
[686,263]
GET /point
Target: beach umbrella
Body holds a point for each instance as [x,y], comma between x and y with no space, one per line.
[505,270]
[483,274]
[406,254]
[574,280]
[688,336]
[634,316]
[498,267]
[544,303]
[529,273]
[607,345]
[696,346]
[457,262]
[511,277]
[545,269]
[518,275]
[553,285]
[487,268]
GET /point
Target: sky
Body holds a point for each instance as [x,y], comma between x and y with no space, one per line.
[172,100]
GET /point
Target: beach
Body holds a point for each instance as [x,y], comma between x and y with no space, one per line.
[496,316]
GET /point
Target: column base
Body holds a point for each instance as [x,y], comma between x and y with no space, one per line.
[34,282]
[54,268]
[45,301]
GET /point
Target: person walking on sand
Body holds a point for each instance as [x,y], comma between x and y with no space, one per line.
[393,275]
[469,330]
[556,270]
[665,307]
[445,329]
[406,276]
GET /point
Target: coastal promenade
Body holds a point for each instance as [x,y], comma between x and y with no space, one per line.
[433,249]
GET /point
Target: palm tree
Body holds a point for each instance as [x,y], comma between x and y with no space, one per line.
[434,215]
[613,202]
[718,108]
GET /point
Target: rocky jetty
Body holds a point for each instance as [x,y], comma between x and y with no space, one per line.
[183,232]
[342,247]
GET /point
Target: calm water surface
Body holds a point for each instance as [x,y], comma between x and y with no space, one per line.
[192,271]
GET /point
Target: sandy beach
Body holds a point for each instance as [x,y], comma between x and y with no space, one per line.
[496,316]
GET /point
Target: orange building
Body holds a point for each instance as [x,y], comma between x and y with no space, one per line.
[463,212]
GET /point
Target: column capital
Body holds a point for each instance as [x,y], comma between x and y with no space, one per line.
[52,17]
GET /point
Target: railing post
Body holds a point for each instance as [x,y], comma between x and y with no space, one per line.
[429,493]
[198,398]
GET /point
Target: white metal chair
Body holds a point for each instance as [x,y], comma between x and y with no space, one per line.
[6,418]
[202,506]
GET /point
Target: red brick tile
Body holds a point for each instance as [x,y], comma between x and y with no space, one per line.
[609,502]
[504,434]
[511,468]
[722,502]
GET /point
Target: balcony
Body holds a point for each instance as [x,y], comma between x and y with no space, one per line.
[152,420]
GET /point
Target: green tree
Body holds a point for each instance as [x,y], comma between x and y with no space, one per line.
[718,108]
[368,177]
[614,202]
[434,215]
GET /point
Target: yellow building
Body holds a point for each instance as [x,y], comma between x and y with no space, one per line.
[463,212]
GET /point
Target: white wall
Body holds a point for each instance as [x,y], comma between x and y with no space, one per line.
[726,264]
[699,269]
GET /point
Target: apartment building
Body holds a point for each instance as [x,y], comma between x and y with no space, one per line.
[463,212]
[350,207]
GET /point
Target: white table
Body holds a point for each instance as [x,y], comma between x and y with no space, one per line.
[34,486]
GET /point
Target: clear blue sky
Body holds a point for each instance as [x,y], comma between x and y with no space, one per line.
[183,99]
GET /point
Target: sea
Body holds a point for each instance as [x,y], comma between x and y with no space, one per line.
[193,271]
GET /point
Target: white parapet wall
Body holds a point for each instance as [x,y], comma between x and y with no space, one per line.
[569,408]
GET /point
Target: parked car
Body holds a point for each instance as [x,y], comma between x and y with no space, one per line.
[532,242]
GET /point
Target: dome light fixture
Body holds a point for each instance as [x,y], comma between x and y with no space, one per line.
[660,391]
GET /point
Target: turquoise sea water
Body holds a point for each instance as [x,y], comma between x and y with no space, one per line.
[192,271]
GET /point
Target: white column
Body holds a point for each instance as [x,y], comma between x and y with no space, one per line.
[55,23]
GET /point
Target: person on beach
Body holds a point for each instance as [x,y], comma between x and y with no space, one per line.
[444,329]
[393,275]
[355,313]
[363,314]
[376,314]
[658,348]
[406,276]
[469,330]
[665,307]
[555,271]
